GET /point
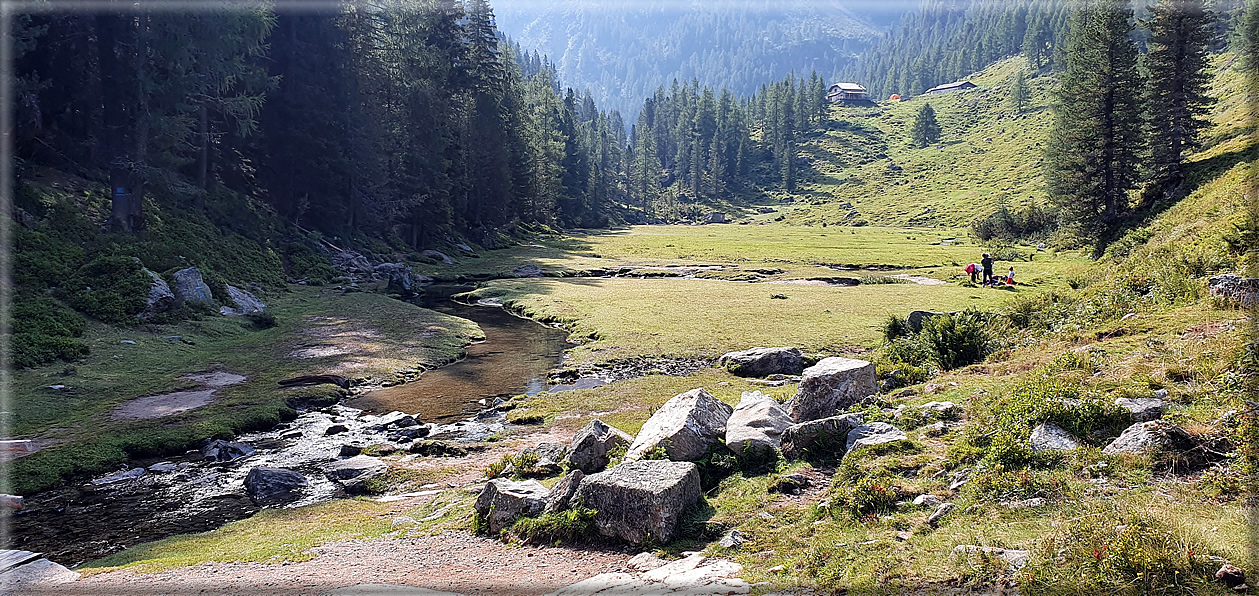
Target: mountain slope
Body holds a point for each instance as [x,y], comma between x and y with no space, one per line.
[622,50]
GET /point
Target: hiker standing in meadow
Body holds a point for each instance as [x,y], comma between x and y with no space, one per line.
[987,263]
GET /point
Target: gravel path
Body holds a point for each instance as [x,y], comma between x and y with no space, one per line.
[454,561]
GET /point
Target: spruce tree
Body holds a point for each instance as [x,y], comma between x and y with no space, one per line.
[925,129]
[1094,145]
[1019,95]
[1246,38]
[1177,101]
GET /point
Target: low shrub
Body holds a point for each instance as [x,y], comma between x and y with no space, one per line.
[262,320]
[111,289]
[895,327]
[999,484]
[957,340]
[45,331]
[1115,550]
[873,493]
[572,525]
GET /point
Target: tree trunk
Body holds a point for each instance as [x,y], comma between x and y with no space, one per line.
[141,122]
[114,115]
[203,156]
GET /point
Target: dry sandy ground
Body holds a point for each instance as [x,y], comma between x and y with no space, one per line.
[454,561]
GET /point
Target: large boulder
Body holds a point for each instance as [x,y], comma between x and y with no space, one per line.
[830,386]
[190,288]
[502,502]
[1143,409]
[359,467]
[1148,437]
[563,492]
[756,426]
[831,433]
[246,303]
[1232,287]
[686,426]
[160,297]
[1051,437]
[438,256]
[270,486]
[589,450]
[401,280]
[874,433]
[548,457]
[762,362]
[641,500]
[918,317]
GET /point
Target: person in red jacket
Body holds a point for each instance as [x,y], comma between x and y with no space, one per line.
[974,270]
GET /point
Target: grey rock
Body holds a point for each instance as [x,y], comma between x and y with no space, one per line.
[641,500]
[122,476]
[220,450]
[267,486]
[936,429]
[762,362]
[1162,394]
[918,317]
[165,466]
[960,478]
[351,450]
[562,493]
[502,502]
[686,426]
[1146,437]
[732,540]
[413,433]
[831,386]
[336,429]
[359,467]
[1016,558]
[246,303]
[790,484]
[590,447]
[1235,288]
[401,279]
[798,439]
[160,298]
[190,288]
[1143,409]
[942,510]
[645,562]
[928,501]
[1051,437]
[756,425]
[527,271]
[874,433]
[432,254]
[1025,503]
[940,409]
[549,456]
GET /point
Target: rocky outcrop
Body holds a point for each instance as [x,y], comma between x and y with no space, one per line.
[527,271]
[693,575]
[562,493]
[641,500]
[270,486]
[762,362]
[756,426]
[590,448]
[1051,437]
[438,256]
[1243,291]
[825,434]
[686,426]
[831,386]
[1143,409]
[502,502]
[399,276]
[191,289]
[548,457]
[246,303]
[160,298]
[1149,437]
[874,433]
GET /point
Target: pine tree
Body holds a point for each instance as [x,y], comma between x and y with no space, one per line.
[1094,145]
[1019,95]
[1177,100]
[1246,38]
[925,130]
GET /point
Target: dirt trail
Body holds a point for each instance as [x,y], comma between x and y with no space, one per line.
[169,404]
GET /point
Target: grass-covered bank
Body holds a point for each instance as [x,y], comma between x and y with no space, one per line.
[360,336]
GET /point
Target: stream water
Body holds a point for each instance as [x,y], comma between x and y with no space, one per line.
[189,493]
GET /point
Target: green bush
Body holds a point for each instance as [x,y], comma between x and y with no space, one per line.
[41,261]
[111,289]
[957,340]
[305,263]
[45,331]
[873,493]
[895,327]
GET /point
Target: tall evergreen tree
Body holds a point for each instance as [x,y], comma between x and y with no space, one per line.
[1019,94]
[1096,139]
[925,130]
[1246,38]
[1177,102]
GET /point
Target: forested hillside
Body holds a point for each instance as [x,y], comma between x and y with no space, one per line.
[623,50]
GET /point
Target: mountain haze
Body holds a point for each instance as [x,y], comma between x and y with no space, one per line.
[622,50]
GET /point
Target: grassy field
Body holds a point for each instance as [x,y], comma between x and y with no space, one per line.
[364,336]
[631,318]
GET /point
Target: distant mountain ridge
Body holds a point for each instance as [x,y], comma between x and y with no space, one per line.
[623,50]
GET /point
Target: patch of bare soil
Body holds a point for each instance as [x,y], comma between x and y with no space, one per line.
[920,280]
[177,402]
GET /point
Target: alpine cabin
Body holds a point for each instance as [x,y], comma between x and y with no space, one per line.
[847,92]
[958,86]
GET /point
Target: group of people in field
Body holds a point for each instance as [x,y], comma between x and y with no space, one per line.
[982,273]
